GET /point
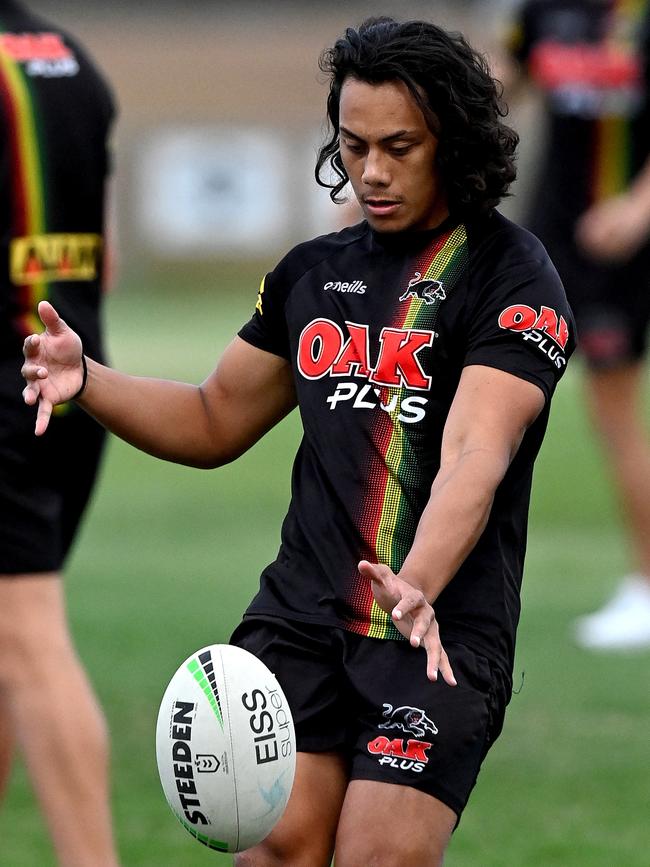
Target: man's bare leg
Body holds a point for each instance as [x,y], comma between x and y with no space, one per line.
[616,405]
[615,399]
[7,742]
[387,825]
[58,723]
[304,836]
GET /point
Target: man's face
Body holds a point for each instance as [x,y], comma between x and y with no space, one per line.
[389,154]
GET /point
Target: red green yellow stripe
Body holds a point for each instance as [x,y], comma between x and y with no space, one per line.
[612,157]
[441,259]
[29,217]
[611,170]
[390,515]
[629,8]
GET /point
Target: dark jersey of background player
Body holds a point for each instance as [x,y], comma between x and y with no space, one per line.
[591,60]
[55,113]
[378,329]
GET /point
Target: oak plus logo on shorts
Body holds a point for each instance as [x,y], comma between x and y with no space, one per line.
[388,372]
[544,327]
[404,754]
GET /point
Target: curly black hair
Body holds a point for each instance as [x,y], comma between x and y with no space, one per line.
[451,83]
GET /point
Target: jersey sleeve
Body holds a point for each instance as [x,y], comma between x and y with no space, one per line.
[267,328]
[521,323]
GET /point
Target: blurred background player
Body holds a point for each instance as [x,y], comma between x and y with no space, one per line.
[590,59]
[55,112]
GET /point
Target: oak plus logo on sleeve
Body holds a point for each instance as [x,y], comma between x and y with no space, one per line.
[544,327]
[43,55]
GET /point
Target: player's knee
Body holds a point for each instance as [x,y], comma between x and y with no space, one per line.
[26,655]
[29,645]
[18,656]
[300,851]
[257,857]
[368,852]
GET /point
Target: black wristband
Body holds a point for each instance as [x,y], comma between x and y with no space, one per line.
[84,378]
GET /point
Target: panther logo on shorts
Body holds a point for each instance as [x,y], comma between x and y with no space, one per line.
[409,719]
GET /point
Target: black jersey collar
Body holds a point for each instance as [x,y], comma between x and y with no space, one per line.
[412,239]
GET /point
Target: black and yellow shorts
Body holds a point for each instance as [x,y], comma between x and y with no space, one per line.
[610,302]
[45,482]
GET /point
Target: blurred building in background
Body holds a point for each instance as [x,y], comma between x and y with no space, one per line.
[221,113]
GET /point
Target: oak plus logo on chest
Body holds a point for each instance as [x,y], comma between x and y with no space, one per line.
[325,350]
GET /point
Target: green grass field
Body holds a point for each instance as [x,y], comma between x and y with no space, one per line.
[169,557]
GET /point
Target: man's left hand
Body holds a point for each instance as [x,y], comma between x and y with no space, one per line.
[614,229]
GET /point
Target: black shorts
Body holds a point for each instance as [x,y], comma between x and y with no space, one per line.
[45,482]
[371,700]
[610,302]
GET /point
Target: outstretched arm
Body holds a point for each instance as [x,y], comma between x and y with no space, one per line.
[204,426]
[616,227]
[489,416]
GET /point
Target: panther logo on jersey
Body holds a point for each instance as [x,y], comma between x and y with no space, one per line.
[428,291]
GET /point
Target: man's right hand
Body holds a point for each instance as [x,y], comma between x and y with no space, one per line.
[53,367]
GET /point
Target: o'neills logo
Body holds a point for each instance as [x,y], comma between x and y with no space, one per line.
[538,326]
[181,737]
[54,257]
[356,287]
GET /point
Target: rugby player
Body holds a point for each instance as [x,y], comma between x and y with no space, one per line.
[591,61]
[422,347]
[56,113]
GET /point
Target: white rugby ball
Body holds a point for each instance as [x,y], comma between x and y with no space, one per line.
[225,747]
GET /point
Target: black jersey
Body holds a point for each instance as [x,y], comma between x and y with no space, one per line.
[378,329]
[55,115]
[591,60]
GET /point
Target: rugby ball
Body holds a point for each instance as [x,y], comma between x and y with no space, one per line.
[225,747]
